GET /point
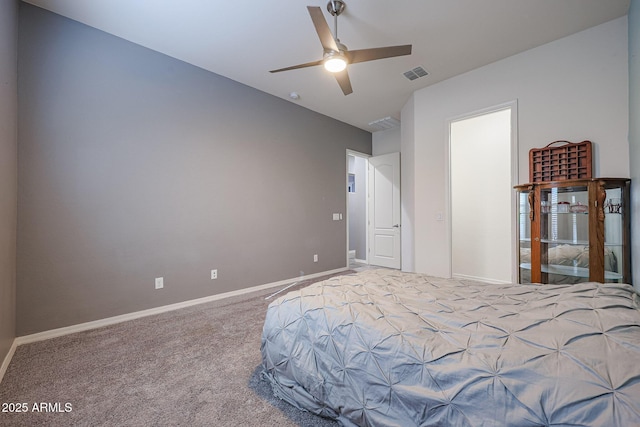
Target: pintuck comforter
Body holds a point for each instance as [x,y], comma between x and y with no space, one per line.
[386,348]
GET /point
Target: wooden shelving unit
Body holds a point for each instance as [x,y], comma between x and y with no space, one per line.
[557,163]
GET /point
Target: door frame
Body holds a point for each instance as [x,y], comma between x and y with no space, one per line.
[513,105]
[346,197]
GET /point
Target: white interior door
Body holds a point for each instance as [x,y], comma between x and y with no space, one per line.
[384,210]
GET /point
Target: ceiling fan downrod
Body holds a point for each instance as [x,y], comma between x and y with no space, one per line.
[335,8]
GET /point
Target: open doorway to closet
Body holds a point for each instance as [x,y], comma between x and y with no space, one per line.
[483,170]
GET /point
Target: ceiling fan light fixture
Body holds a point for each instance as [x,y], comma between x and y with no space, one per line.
[336,56]
[335,63]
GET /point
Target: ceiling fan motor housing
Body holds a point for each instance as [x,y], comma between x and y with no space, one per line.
[342,49]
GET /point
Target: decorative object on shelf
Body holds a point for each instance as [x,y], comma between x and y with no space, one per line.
[563,207]
[614,205]
[559,163]
[578,208]
[574,231]
[545,207]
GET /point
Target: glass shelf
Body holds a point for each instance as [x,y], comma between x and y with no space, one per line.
[568,270]
[565,242]
[570,242]
[566,213]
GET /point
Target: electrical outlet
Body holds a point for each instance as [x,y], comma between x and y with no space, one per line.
[315,258]
[214,274]
[159,282]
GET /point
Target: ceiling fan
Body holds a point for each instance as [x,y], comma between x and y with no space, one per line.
[336,56]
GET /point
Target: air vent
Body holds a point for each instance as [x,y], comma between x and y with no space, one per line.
[415,73]
[384,124]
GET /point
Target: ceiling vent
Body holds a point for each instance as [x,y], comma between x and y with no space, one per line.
[384,124]
[415,73]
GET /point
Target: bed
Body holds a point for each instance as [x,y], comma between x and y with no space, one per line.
[387,348]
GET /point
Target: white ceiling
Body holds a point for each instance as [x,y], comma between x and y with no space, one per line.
[244,39]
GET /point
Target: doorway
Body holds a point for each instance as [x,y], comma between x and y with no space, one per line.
[483,170]
[357,166]
[373,209]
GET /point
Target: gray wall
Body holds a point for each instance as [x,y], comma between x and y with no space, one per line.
[133,165]
[634,133]
[8,171]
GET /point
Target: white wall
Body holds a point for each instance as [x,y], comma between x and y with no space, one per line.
[407,184]
[385,141]
[575,88]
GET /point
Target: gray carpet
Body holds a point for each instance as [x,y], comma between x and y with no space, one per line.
[198,366]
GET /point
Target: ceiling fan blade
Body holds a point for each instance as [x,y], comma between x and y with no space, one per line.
[364,55]
[295,67]
[343,80]
[322,28]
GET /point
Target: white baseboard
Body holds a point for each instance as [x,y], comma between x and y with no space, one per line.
[360,261]
[480,279]
[7,359]
[53,333]
[352,254]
